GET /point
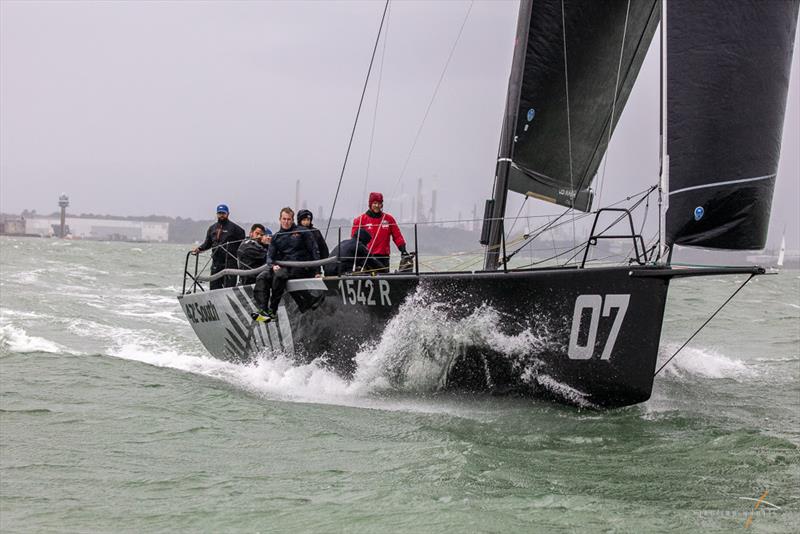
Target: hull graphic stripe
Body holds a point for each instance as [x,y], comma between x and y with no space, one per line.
[238,328]
[247,305]
[235,342]
[278,330]
[269,337]
[260,335]
[244,318]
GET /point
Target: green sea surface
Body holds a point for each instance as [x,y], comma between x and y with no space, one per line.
[113,418]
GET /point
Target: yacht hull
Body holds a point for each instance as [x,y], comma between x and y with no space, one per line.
[585,336]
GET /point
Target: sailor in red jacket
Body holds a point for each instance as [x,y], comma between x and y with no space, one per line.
[380,225]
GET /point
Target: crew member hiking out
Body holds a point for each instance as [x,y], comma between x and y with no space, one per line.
[290,243]
[380,226]
[353,256]
[253,251]
[306,219]
[223,237]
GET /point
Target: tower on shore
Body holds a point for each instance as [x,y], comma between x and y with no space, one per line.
[63,202]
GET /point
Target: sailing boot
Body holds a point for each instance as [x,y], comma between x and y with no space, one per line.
[264,316]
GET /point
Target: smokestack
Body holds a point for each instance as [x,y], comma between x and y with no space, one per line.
[420,213]
[433,206]
[402,199]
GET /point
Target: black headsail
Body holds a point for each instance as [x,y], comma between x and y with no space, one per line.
[566,103]
[574,66]
[728,66]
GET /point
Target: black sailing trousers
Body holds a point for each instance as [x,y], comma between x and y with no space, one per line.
[272,284]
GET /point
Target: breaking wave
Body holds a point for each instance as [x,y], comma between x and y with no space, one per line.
[703,362]
[14,339]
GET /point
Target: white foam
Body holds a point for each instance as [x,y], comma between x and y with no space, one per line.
[274,377]
[26,277]
[704,362]
[160,316]
[15,339]
[118,336]
[564,391]
[422,343]
[277,377]
[6,312]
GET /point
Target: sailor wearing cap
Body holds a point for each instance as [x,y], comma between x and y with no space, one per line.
[223,238]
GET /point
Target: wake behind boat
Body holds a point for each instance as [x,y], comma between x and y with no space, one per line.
[588,333]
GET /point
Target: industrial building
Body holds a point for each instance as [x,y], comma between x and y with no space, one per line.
[100,229]
[12,225]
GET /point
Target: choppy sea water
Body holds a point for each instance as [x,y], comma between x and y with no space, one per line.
[113,418]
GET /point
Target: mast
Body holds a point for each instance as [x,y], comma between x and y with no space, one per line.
[506,149]
[663,184]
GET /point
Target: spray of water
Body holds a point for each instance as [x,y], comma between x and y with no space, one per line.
[704,362]
[425,340]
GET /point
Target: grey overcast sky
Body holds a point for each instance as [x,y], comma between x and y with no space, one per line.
[137,108]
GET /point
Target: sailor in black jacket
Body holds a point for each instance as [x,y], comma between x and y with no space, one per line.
[290,243]
[253,251]
[306,219]
[223,237]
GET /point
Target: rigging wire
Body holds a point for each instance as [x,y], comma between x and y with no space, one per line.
[644,220]
[355,122]
[516,219]
[613,105]
[551,225]
[704,324]
[433,97]
[377,102]
[569,126]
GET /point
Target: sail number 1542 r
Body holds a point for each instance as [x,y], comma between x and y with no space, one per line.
[594,304]
[366,292]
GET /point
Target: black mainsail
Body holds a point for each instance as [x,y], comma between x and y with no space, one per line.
[728,66]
